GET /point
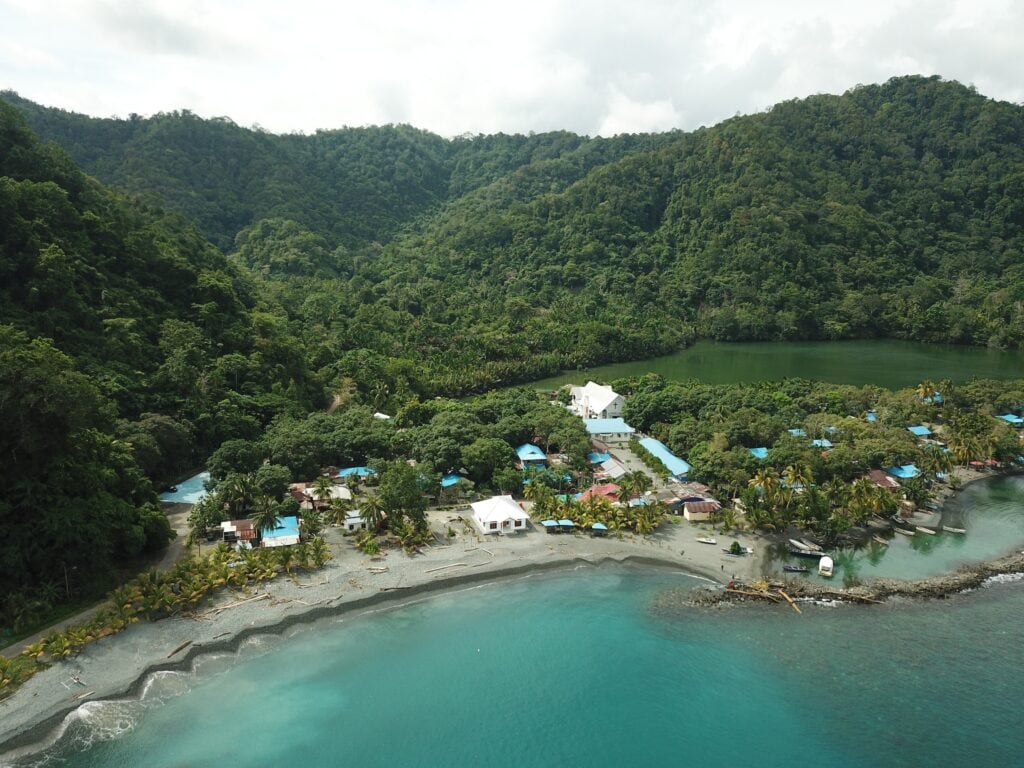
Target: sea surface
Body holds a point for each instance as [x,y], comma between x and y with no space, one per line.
[883,362]
[593,667]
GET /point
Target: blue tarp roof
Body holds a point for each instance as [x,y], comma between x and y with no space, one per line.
[905,472]
[920,431]
[599,527]
[607,426]
[821,443]
[549,523]
[639,502]
[530,452]
[797,432]
[190,491]
[678,467]
[598,458]
[759,453]
[360,471]
[449,480]
[286,526]
[1012,418]
[871,418]
[569,523]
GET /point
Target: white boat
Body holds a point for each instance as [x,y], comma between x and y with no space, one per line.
[810,545]
[881,541]
[799,544]
[904,531]
[707,540]
[922,529]
[825,566]
[951,529]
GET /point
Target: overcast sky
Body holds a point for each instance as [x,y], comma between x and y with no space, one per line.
[475,66]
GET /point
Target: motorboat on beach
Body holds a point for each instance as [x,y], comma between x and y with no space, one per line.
[707,540]
[798,552]
[951,529]
[825,566]
[804,544]
[880,540]
[904,531]
[922,529]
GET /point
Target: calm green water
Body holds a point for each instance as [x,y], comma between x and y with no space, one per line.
[991,511]
[891,364]
[598,668]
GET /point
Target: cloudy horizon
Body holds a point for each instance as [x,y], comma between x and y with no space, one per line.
[461,67]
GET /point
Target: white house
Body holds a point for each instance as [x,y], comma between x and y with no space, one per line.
[354,521]
[595,401]
[499,514]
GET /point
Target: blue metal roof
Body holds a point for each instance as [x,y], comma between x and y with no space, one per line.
[286,526]
[759,453]
[549,523]
[530,452]
[569,523]
[905,472]
[920,431]
[678,467]
[598,458]
[360,471]
[190,491]
[821,443]
[599,527]
[449,480]
[871,418]
[608,426]
[1012,419]
[797,432]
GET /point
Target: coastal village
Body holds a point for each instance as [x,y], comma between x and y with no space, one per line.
[634,501]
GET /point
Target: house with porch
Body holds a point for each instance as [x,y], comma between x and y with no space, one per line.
[499,514]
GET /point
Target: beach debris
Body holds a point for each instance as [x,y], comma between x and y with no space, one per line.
[81,696]
[378,569]
[218,609]
[181,647]
[790,601]
[444,567]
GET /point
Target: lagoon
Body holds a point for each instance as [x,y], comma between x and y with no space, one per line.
[883,362]
[597,667]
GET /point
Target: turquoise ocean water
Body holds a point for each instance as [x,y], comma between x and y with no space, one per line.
[595,667]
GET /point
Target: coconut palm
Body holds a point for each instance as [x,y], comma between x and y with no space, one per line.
[323,489]
[372,511]
[264,515]
[338,510]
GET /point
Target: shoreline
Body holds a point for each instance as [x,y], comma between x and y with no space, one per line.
[119,667]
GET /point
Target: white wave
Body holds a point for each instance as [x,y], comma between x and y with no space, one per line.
[1003,578]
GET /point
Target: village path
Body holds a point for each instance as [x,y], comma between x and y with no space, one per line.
[177,515]
[632,463]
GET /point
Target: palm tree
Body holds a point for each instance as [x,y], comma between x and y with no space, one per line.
[264,515]
[372,512]
[338,510]
[237,491]
[323,489]
[926,390]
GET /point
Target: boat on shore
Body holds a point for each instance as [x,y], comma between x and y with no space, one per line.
[880,540]
[922,529]
[707,540]
[951,529]
[904,531]
[795,568]
[796,552]
[804,544]
[825,566]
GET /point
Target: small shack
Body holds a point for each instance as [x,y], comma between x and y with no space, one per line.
[697,511]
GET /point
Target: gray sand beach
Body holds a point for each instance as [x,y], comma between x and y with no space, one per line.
[117,666]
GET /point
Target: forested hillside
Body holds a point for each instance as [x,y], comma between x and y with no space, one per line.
[378,268]
[129,349]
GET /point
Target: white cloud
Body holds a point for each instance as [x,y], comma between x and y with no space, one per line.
[455,66]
